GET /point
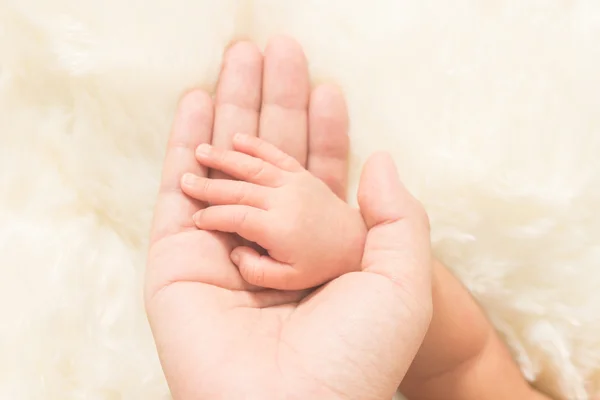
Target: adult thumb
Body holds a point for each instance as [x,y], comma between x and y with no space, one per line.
[398,244]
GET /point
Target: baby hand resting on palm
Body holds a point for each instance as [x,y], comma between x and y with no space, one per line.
[311,235]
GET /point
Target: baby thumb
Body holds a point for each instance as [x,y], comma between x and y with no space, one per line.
[398,244]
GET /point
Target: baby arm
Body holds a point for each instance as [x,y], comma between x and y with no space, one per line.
[310,234]
[462,357]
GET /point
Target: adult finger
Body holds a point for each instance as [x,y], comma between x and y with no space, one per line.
[286,88]
[192,125]
[238,96]
[328,141]
[398,243]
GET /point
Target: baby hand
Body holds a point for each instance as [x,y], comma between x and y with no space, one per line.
[310,234]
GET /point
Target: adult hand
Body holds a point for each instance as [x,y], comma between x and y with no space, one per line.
[218,337]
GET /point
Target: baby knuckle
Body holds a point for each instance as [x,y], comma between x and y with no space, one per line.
[205,186]
[281,158]
[240,217]
[256,170]
[240,192]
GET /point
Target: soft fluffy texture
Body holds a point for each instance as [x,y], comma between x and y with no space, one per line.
[491,109]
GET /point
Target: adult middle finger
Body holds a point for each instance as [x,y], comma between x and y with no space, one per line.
[285,98]
[238,95]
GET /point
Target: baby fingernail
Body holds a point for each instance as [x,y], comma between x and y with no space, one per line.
[189,179]
[240,137]
[203,149]
[235,257]
[196,217]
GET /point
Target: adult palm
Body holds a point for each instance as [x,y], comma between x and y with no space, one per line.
[220,338]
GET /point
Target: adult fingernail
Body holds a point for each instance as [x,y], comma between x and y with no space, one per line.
[235,257]
[203,149]
[196,217]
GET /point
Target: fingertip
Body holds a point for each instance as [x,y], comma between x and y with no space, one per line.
[242,138]
[197,218]
[284,43]
[329,121]
[243,60]
[203,150]
[241,45]
[381,195]
[244,54]
[383,162]
[235,257]
[329,99]
[286,80]
[245,143]
[193,118]
[240,253]
[247,261]
[195,100]
[188,180]
[380,172]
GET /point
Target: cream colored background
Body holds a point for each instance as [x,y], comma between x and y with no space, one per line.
[490,107]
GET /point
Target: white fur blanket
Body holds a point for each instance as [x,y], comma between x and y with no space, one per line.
[491,108]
